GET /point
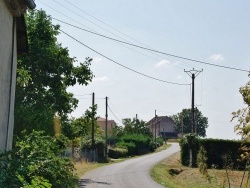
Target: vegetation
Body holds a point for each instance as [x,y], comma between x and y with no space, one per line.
[43,76]
[42,101]
[183,122]
[36,162]
[135,137]
[220,153]
[243,129]
[171,174]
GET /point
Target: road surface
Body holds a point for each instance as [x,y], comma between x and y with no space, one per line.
[133,173]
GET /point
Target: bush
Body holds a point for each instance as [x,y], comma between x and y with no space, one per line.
[117,153]
[130,146]
[160,141]
[217,150]
[136,144]
[99,146]
[36,160]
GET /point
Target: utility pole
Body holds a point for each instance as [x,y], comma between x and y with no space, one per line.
[106,129]
[92,120]
[193,74]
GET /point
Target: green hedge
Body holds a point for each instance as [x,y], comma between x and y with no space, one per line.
[117,153]
[220,153]
[136,144]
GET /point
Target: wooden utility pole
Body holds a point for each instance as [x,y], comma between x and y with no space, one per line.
[106,129]
[92,120]
[193,73]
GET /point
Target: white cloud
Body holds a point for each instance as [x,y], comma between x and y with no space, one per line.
[217,57]
[97,60]
[101,79]
[162,63]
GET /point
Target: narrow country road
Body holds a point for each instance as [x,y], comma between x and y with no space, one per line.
[133,173]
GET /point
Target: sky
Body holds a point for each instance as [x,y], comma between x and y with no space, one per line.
[211,31]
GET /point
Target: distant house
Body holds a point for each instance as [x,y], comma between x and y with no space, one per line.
[162,126]
[13,41]
[110,125]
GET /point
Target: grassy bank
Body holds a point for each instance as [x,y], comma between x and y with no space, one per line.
[171,174]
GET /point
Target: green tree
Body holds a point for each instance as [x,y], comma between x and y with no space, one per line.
[80,128]
[183,122]
[43,76]
[135,126]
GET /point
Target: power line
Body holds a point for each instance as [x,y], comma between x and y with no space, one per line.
[142,74]
[115,115]
[64,15]
[101,28]
[108,31]
[110,102]
[152,50]
[115,29]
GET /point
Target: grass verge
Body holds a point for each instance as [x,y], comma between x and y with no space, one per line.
[171,174]
[82,167]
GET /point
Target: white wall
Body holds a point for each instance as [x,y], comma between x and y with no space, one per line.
[7,77]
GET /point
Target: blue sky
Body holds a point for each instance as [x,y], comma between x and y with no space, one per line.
[212,31]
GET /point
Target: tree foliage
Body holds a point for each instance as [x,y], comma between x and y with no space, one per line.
[183,120]
[43,76]
[243,126]
[135,126]
[36,162]
[82,126]
[243,115]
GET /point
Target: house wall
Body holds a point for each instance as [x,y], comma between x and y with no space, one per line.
[166,125]
[8,62]
[110,125]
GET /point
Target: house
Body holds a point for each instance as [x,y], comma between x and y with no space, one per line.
[110,125]
[162,126]
[13,41]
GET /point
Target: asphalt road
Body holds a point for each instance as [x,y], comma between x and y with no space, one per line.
[133,173]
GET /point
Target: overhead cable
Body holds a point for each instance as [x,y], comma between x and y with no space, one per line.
[152,50]
[142,74]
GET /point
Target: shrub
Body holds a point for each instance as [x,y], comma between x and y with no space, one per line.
[216,150]
[160,141]
[136,144]
[116,153]
[130,146]
[36,160]
[99,146]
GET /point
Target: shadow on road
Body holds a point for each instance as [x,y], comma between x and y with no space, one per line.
[85,182]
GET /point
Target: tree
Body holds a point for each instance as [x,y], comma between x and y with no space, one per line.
[243,115]
[183,122]
[43,75]
[243,129]
[135,126]
[78,128]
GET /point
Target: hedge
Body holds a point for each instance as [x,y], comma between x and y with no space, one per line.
[136,144]
[220,153]
[117,153]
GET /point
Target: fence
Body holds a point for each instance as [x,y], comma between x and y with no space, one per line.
[78,155]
